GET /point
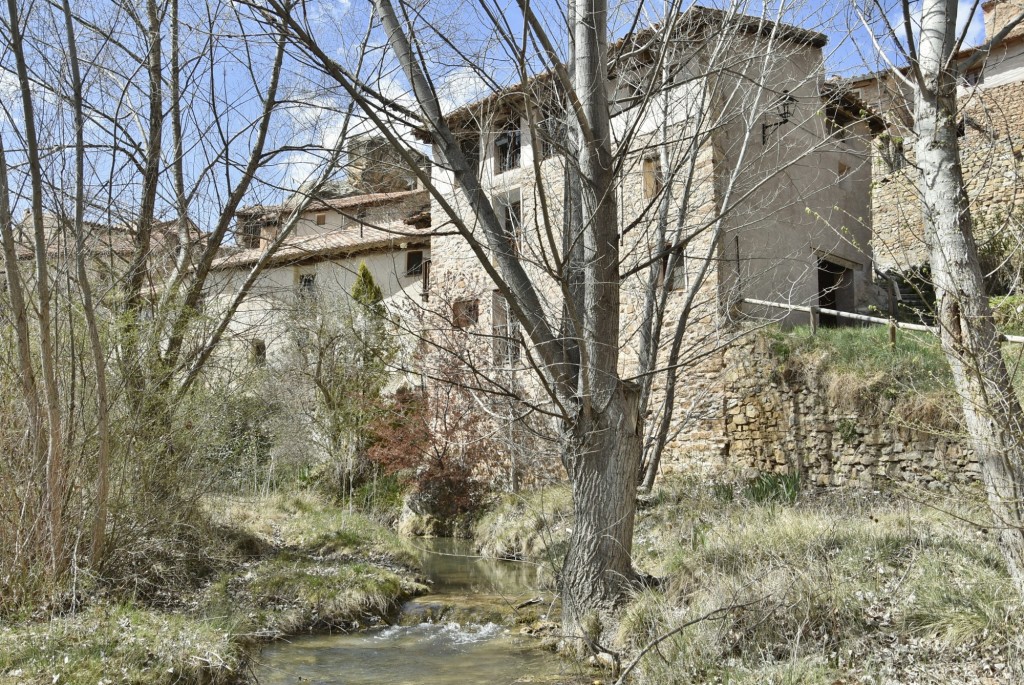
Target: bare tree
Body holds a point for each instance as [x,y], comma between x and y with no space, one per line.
[128,198]
[589,254]
[972,345]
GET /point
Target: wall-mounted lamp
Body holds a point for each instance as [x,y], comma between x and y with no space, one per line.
[783,110]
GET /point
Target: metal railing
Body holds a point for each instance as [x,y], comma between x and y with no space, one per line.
[815,313]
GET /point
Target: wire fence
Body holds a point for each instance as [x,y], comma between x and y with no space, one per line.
[815,312]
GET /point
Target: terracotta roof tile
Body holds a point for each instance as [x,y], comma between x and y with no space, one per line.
[347,241]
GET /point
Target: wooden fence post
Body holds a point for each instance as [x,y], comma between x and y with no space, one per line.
[814,320]
[892,332]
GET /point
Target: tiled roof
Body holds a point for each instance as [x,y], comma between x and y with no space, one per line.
[103,240]
[364,200]
[349,240]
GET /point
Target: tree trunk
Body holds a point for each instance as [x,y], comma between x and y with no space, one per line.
[55,476]
[602,457]
[99,527]
[969,338]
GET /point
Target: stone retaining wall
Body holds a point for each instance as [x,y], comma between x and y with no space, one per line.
[778,421]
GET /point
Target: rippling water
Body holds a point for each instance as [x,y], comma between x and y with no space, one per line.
[450,648]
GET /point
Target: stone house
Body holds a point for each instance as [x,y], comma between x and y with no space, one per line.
[376,216]
[763,168]
[109,249]
[991,101]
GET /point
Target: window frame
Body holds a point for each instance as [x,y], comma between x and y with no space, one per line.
[251,234]
[465,312]
[509,155]
[305,285]
[653,176]
[505,340]
[414,269]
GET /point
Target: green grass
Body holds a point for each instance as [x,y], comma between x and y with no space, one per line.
[310,523]
[533,526]
[1008,311]
[123,644]
[860,372]
[845,574]
[291,563]
[916,361]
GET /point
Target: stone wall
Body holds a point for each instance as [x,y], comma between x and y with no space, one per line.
[778,422]
[991,141]
[991,153]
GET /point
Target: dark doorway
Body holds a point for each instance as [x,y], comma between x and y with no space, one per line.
[835,291]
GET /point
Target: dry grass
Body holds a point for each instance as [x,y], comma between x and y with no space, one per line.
[122,644]
[293,563]
[824,587]
[835,588]
[529,526]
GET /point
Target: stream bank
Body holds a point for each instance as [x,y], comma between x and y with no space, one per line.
[469,629]
[281,565]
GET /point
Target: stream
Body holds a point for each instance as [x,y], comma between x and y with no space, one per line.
[459,634]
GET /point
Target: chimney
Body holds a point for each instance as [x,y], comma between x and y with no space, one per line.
[998,13]
[375,167]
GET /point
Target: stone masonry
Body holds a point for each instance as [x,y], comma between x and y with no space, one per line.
[779,422]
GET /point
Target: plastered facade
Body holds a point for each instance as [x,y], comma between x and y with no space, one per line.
[758,211]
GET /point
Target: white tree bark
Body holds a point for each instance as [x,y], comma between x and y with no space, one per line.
[969,338]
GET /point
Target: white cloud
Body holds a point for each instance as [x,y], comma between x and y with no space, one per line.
[976,31]
[460,88]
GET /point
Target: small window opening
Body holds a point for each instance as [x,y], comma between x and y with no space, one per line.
[425,282]
[504,332]
[465,313]
[414,263]
[307,286]
[677,279]
[250,234]
[893,154]
[654,179]
[258,352]
[508,146]
[321,219]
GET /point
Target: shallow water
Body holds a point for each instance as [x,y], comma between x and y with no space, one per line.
[457,635]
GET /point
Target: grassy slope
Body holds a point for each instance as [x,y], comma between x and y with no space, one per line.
[309,565]
[836,587]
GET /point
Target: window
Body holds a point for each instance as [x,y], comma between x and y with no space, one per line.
[504,332]
[470,147]
[258,352]
[250,234]
[891,150]
[414,263]
[307,286]
[465,313]
[554,133]
[677,279]
[512,223]
[653,178]
[321,219]
[425,294]
[508,146]
[971,78]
